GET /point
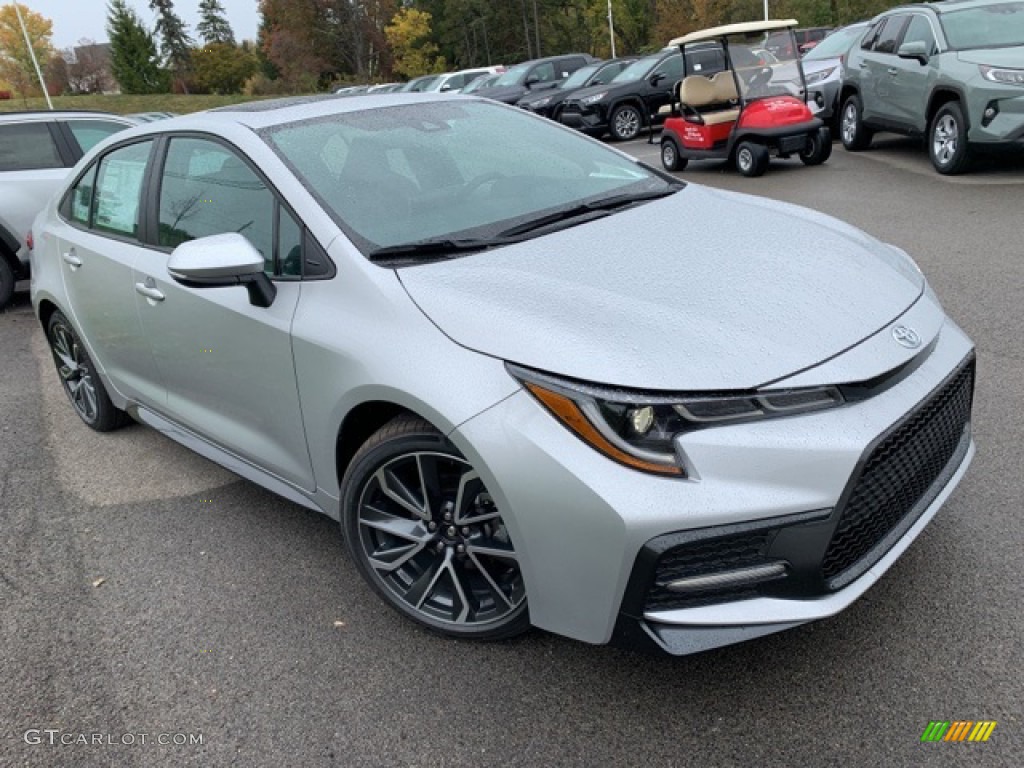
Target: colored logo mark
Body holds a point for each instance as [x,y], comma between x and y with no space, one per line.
[958,730]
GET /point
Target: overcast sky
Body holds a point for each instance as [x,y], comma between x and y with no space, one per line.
[77,19]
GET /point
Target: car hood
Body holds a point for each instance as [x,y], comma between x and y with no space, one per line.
[508,94]
[816,65]
[590,90]
[993,57]
[702,290]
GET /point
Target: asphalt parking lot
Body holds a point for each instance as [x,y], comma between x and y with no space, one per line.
[146,592]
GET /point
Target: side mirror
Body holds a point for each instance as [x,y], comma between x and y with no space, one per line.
[222,260]
[531,81]
[445,87]
[914,50]
[658,79]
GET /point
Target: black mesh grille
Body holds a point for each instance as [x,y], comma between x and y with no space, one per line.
[899,472]
[708,556]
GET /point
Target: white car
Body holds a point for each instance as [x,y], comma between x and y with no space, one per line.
[453,82]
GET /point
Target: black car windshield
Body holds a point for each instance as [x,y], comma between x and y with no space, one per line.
[985,26]
[451,170]
[637,69]
[579,77]
[838,43]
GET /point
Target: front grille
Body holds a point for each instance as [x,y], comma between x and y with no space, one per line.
[696,558]
[897,475]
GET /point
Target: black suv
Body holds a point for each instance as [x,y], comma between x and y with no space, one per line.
[549,103]
[535,75]
[634,96]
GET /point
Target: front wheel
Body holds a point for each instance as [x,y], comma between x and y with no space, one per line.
[78,376]
[818,149]
[670,158]
[751,159]
[625,123]
[947,140]
[429,538]
[855,135]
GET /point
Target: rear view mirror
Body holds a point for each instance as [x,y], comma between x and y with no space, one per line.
[222,260]
[914,50]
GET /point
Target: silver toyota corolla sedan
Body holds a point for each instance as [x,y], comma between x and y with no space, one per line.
[536,381]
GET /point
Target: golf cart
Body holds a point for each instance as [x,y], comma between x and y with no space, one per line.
[755,108]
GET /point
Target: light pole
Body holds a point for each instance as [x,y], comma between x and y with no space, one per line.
[611,27]
[766,10]
[32,53]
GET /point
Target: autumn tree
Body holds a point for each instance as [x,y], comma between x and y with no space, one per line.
[213,26]
[222,67]
[413,51]
[133,55]
[16,66]
[175,43]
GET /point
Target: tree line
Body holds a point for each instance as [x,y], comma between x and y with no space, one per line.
[308,45]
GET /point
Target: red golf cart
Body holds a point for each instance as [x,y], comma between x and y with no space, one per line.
[755,108]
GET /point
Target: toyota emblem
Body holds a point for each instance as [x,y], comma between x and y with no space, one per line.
[906,337]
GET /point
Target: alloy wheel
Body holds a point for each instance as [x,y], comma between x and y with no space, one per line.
[433,536]
[849,126]
[627,123]
[75,372]
[944,139]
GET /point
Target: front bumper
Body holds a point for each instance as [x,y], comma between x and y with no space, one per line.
[1006,129]
[582,524]
[588,119]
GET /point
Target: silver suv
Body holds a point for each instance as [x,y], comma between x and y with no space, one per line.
[36,151]
[951,71]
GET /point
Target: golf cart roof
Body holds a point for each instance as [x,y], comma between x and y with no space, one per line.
[747,27]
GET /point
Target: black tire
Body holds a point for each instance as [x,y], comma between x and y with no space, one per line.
[670,158]
[854,134]
[78,376]
[6,282]
[818,149]
[751,159]
[947,140]
[625,123]
[419,552]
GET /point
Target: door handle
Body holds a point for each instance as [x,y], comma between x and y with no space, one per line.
[71,259]
[149,291]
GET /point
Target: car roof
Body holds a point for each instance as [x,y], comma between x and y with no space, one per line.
[734,29]
[63,114]
[946,6]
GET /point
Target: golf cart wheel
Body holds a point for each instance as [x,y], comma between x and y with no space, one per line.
[670,158]
[818,149]
[428,537]
[625,123]
[947,140]
[751,159]
[855,135]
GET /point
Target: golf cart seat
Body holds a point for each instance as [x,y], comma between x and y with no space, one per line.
[711,98]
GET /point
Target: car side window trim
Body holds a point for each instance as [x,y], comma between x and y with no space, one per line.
[152,212]
[64,208]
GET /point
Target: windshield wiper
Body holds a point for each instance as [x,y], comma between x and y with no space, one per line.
[440,247]
[603,206]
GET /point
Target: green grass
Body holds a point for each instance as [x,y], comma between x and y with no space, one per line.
[124,105]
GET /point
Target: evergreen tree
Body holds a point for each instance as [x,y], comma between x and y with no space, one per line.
[133,54]
[175,44]
[213,27]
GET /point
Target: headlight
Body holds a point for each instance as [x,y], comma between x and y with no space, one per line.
[594,98]
[541,102]
[1002,75]
[817,77]
[639,429]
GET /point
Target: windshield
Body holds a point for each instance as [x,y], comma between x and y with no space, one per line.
[513,76]
[637,69]
[985,26]
[579,77]
[837,44]
[404,174]
[481,82]
[764,68]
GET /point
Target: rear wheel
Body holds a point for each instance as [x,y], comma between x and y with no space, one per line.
[947,140]
[818,149]
[855,135]
[426,534]
[625,122]
[751,159]
[79,378]
[670,158]
[6,282]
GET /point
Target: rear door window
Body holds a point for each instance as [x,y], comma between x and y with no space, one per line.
[89,133]
[28,146]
